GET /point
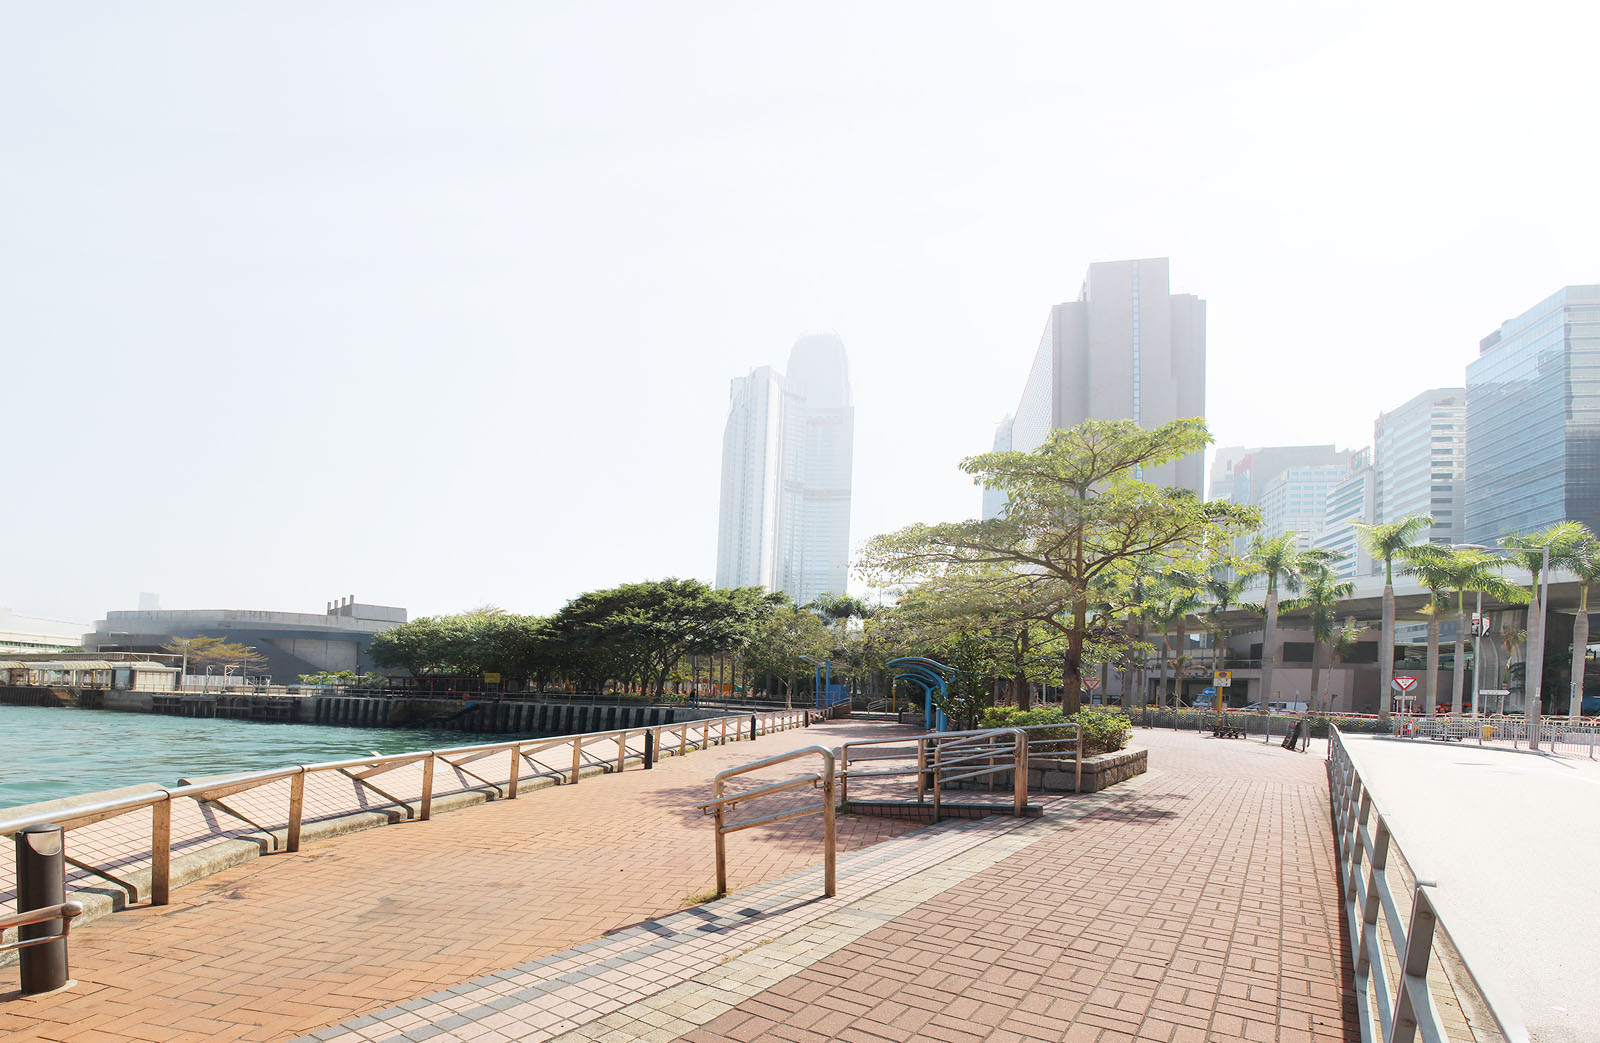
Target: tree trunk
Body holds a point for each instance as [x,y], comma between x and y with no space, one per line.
[1072,661]
[1459,671]
[1316,674]
[1580,653]
[1269,655]
[1386,658]
[1178,662]
[1161,690]
[1024,694]
[1533,671]
[1430,683]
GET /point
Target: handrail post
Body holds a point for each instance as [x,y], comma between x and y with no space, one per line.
[722,842]
[622,750]
[516,772]
[297,805]
[938,779]
[41,883]
[683,738]
[829,842]
[1077,774]
[577,759]
[426,811]
[844,774]
[161,851]
[922,767]
[1020,783]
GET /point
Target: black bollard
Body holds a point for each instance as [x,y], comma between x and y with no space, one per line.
[752,727]
[649,749]
[41,883]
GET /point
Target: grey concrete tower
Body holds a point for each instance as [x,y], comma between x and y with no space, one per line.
[1126,349]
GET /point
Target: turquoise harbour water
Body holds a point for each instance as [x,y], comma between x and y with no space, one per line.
[47,752]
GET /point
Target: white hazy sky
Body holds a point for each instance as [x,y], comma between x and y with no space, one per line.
[437,304]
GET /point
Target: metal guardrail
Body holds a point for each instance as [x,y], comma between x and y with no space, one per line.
[1391,980]
[64,911]
[362,770]
[933,754]
[719,805]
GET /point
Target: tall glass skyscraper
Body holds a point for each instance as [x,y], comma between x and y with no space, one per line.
[1533,419]
[786,470]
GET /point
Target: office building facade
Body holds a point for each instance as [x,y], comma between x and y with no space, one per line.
[1126,349]
[1350,501]
[1296,501]
[1421,457]
[1533,419]
[787,454]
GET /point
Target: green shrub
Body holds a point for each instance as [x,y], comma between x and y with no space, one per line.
[1105,729]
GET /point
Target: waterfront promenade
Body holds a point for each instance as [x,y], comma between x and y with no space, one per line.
[1196,903]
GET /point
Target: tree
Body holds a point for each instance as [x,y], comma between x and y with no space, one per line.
[1434,567]
[1279,560]
[1387,541]
[641,630]
[1224,591]
[1344,642]
[1473,570]
[1077,523]
[190,648]
[1321,593]
[1177,598]
[784,645]
[1583,561]
[1528,550]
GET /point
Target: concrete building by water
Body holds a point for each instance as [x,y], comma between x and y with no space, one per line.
[293,643]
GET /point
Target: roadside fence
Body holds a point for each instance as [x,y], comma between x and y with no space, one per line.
[1395,917]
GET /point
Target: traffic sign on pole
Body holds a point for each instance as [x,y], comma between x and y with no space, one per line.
[1091,683]
[1404,684]
[1222,678]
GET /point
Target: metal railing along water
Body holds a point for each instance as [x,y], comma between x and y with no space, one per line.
[720,805]
[526,758]
[1391,980]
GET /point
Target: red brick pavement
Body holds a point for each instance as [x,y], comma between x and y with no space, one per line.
[1204,908]
[290,943]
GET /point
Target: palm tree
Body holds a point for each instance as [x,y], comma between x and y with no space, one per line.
[1529,551]
[1473,570]
[1223,591]
[1583,561]
[1435,567]
[1322,592]
[1279,560]
[1174,604]
[1386,542]
[1344,642]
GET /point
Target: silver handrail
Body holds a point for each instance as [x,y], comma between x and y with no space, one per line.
[719,805]
[361,770]
[964,743]
[1405,1007]
[64,912]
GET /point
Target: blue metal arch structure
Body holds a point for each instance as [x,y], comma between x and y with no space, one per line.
[929,675]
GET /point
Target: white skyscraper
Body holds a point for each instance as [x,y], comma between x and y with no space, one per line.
[786,462]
